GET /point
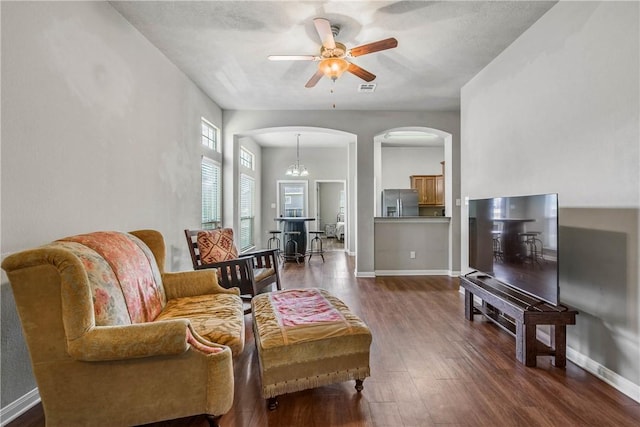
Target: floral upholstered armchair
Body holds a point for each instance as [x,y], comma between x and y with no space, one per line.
[115,340]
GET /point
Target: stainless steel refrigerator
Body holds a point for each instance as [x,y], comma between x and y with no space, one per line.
[400,202]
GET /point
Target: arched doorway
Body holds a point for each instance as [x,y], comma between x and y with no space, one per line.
[415,140]
[324,153]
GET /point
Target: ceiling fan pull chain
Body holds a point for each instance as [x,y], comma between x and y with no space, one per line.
[331,91]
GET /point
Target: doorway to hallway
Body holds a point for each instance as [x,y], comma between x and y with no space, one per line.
[331,213]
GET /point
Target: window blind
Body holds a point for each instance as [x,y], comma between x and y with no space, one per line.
[247,211]
[210,193]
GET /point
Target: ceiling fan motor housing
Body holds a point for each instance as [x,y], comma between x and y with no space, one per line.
[339,51]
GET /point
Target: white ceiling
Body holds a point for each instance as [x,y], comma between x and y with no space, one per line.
[223,47]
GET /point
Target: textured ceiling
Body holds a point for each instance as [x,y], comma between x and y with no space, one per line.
[223,47]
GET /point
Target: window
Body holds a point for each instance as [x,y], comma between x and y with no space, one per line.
[247,211]
[210,193]
[209,135]
[246,158]
[292,198]
[550,235]
[498,210]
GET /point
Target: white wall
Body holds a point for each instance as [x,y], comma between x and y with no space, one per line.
[99,132]
[558,111]
[399,163]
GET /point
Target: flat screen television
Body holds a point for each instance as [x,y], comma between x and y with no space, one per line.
[515,240]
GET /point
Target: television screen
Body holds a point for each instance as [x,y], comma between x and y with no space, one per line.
[515,240]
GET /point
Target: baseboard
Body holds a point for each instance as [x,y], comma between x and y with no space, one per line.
[404,273]
[453,273]
[621,384]
[19,407]
[412,272]
[364,274]
[603,373]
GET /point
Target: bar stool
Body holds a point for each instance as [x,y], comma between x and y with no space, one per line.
[497,245]
[534,246]
[315,247]
[291,247]
[274,240]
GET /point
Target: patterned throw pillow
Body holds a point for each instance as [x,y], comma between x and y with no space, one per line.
[216,245]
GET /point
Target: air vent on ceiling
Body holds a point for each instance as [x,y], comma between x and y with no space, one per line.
[367,87]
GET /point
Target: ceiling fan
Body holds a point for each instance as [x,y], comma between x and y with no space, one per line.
[333,54]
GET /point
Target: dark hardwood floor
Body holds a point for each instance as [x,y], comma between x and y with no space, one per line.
[429,366]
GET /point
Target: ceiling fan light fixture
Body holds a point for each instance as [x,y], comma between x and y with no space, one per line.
[332,53]
[333,67]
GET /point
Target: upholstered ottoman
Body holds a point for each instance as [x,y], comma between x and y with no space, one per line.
[307,338]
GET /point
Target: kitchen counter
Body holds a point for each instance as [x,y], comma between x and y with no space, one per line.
[414,245]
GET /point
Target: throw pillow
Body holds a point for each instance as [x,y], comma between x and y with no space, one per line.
[216,245]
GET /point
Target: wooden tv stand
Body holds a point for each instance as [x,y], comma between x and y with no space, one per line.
[519,314]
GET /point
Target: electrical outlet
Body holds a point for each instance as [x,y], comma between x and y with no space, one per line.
[412,254]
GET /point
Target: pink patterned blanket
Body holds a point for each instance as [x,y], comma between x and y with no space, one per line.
[300,315]
[299,307]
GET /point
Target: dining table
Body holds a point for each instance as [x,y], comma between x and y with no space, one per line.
[513,247]
[295,223]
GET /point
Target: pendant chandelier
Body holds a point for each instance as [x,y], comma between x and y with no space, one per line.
[297,169]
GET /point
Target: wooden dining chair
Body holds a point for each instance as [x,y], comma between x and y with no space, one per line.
[252,272]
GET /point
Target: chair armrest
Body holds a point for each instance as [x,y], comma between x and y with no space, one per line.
[102,343]
[259,252]
[234,273]
[193,283]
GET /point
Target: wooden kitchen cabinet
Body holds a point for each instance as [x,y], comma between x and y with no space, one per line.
[430,189]
[440,190]
[426,186]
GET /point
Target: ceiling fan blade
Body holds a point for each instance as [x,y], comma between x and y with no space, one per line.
[374,47]
[323,27]
[360,72]
[314,79]
[293,57]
